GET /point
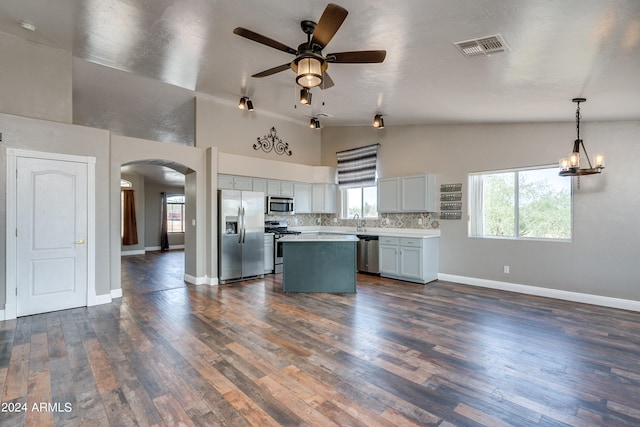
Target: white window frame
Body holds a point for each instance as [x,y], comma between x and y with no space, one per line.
[475,227]
[184,225]
[344,202]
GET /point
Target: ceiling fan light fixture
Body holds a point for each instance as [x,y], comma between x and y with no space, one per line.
[309,70]
[378,121]
[305,96]
[570,166]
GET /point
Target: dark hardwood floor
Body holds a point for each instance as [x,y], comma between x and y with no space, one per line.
[394,354]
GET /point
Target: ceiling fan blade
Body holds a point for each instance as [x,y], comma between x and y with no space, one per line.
[329,23]
[326,81]
[273,70]
[248,34]
[358,57]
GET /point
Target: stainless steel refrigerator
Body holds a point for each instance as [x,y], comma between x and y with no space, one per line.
[241,235]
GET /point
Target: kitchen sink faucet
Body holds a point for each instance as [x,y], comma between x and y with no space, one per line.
[358,221]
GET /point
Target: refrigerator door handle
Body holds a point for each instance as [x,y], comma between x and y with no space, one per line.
[244,230]
[239,225]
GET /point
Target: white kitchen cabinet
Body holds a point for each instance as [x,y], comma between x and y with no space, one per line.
[243,183]
[260,185]
[415,193]
[418,193]
[225,182]
[269,254]
[388,256]
[411,259]
[302,195]
[323,198]
[280,188]
[389,195]
[231,182]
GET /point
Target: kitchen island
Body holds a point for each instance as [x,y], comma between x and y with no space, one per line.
[319,263]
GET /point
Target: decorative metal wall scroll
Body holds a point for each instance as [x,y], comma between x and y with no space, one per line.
[272,142]
[451,201]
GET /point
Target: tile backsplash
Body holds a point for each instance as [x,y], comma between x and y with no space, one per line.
[430,220]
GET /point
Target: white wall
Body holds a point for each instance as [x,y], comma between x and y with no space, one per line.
[601,260]
[39,135]
[197,251]
[35,80]
[234,131]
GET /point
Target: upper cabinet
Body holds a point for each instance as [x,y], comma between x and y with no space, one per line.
[418,193]
[324,198]
[389,195]
[415,193]
[280,188]
[229,182]
[302,196]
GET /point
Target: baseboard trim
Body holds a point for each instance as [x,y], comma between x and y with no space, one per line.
[158,248]
[136,252]
[603,301]
[116,293]
[101,299]
[196,280]
[2,315]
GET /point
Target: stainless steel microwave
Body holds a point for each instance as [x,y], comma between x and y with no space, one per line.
[277,205]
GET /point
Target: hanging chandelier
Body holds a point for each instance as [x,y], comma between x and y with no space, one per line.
[570,166]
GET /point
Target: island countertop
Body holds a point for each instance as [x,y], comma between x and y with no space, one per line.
[318,238]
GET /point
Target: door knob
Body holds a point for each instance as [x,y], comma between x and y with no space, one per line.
[79,242]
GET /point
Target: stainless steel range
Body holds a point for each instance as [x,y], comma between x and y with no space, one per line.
[279,229]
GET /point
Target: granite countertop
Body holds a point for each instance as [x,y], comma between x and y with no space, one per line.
[318,238]
[386,232]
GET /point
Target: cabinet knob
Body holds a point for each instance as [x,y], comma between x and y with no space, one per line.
[79,242]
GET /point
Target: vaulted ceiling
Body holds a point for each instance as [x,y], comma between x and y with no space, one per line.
[138,64]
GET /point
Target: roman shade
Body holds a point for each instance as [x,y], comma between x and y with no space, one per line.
[357,167]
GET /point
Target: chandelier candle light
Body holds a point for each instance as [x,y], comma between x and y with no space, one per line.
[570,166]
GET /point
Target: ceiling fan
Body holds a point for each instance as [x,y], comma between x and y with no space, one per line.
[310,64]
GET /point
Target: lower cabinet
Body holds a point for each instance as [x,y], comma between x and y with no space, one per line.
[411,259]
[269,253]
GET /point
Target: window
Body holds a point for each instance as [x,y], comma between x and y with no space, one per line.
[357,181]
[521,204]
[175,214]
[360,200]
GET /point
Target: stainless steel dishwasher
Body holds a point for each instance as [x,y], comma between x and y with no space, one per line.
[368,254]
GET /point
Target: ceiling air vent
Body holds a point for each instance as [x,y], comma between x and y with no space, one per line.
[482,46]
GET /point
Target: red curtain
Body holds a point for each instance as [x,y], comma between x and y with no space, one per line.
[130,228]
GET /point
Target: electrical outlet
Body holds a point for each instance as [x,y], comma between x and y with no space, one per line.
[506,269]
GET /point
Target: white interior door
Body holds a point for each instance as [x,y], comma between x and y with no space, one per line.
[51,223]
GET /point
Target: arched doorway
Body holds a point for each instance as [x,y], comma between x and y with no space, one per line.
[154,259]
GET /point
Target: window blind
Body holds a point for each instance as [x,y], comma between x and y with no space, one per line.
[357,167]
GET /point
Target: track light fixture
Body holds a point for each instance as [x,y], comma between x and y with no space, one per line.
[378,121]
[314,123]
[245,103]
[570,166]
[305,96]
